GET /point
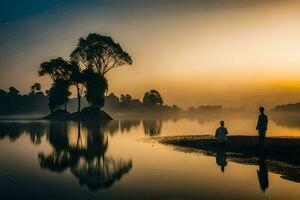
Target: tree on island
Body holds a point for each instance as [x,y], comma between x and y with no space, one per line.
[153,97]
[63,74]
[58,95]
[98,54]
[77,79]
[59,71]
[95,88]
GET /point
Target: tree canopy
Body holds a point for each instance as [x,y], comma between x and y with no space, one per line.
[36,87]
[57,69]
[153,97]
[100,53]
[125,98]
[12,91]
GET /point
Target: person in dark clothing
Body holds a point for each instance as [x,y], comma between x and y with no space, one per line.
[262,125]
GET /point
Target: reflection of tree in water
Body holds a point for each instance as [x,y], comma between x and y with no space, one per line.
[112,127]
[101,172]
[59,160]
[87,159]
[126,125]
[122,125]
[152,127]
[13,131]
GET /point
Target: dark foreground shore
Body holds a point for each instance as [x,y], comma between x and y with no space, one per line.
[280,154]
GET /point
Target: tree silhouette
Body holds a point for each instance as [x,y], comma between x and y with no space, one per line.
[12,91]
[153,97]
[125,98]
[3,92]
[111,102]
[100,53]
[36,87]
[13,102]
[95,88]
[77,79]
[60,72]
[57,69]
[58,94]
[13,99]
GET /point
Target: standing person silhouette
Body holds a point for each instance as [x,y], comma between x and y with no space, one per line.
[262,125]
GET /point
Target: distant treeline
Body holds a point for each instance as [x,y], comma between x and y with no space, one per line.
[151,102]
[13,102]
[295,107]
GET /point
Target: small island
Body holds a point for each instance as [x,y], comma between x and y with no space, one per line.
[85,73]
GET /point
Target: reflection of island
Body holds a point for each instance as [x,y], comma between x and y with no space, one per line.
[86,159]
[127,125]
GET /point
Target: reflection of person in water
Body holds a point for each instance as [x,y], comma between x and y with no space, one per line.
[221,160]
[262,175]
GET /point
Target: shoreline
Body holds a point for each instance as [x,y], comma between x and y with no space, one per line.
[280,155]
[282,149]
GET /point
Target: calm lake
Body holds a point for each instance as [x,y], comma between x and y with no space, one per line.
[58,160]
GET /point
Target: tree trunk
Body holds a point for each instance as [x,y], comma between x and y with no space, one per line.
[78,99]
[66,106]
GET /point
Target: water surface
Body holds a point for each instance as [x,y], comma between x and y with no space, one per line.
[64,160]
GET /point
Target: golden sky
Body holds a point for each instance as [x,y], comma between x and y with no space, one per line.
[194,52]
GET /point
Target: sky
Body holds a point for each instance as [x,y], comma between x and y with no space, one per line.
[233,53]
